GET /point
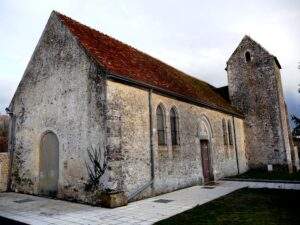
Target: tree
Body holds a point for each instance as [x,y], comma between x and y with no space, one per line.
[296,120]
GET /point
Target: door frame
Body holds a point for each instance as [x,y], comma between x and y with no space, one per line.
[205,133]
[210,167]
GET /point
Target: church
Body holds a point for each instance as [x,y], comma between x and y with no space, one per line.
[92,114]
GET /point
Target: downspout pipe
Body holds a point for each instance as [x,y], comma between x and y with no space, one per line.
[11,146]
[151,136]
[235,147]
[152,173]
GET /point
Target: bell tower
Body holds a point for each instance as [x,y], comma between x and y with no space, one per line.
[255,88]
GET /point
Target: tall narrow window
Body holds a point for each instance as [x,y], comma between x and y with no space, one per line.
[174,124]
[248,56]
[160,125]
[225,138]
[230,133]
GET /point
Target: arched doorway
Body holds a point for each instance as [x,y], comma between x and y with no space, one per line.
[49,164]
[205,136]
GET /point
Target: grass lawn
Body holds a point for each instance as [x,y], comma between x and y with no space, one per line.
[274,175]
[245,207]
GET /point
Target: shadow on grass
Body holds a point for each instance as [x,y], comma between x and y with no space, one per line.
[265,175]
[245,207]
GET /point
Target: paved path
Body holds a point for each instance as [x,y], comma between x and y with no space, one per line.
[36,210]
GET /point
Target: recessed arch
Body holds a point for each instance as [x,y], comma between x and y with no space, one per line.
[205,123]
[205,139]
[48,164]
[230,135]
[248,56]
[174,125]
[225,132]
[161,124]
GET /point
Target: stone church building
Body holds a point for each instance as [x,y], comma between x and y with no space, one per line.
[88,100]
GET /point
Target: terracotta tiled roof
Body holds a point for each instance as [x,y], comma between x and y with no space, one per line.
[127,62]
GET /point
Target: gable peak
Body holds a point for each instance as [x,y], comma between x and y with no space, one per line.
[246,43]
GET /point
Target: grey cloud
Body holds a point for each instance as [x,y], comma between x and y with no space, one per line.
[194,36]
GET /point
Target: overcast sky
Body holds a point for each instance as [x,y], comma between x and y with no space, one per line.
[196,37]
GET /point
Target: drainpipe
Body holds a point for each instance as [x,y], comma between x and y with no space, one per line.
[11,147]
[235,146]
[152,174]
[151,135]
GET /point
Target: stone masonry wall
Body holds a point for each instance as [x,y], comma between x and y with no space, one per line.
[4,168]
[285,128]
[255,89]
[127,137]
[175,166]
[60,92]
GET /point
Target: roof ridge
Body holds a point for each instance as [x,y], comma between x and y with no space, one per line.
[132,47]
[125,61]
[257,43]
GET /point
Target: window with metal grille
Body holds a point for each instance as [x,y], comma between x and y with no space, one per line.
[160,125]
[174,126]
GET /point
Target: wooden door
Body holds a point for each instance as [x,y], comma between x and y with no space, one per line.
[49,164]
[206,162]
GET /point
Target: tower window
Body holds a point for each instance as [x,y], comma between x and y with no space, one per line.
[248,56]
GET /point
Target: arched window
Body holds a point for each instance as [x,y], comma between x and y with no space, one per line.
[248,56]
[174,126]
[230,133]
[160,118]
[225,138]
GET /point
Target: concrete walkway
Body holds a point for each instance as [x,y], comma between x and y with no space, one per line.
[36,210]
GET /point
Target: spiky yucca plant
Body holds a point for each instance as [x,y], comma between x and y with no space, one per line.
[95,168]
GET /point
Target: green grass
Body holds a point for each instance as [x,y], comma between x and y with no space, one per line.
[245,207]
[274,175]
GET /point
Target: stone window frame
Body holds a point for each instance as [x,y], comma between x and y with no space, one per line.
[174,142]
[230,133]
[248,56]
[225,134]
[163,140]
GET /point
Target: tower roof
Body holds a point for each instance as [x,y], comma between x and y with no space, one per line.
[133,65]
[247,39]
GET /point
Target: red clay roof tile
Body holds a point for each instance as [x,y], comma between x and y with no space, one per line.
[128,62]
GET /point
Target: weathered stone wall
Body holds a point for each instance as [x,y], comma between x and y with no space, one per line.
[175,166]
[127,137]
[295,158]
[4,167]
[59,92]
[241,145]
[255,89]
[285,128]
